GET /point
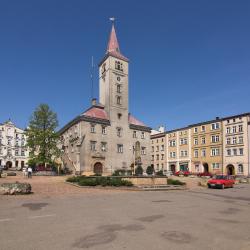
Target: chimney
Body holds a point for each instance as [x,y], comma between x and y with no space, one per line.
[93,102]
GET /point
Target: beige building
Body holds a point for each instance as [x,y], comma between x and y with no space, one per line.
[206,139]
[219,146]
[106,136]
[236,136]
[13,151]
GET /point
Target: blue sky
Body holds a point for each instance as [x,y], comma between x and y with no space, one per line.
[189,60]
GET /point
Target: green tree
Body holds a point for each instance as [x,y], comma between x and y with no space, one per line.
[150,170]
[42,138]
[139,170]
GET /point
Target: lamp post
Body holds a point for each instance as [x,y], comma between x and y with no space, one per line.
[133,152]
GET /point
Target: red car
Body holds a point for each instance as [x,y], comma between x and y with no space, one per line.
[207,174]
[221,181]
[185,173]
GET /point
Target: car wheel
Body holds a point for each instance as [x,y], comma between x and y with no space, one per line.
[222,186]
[232,186]
[208,185]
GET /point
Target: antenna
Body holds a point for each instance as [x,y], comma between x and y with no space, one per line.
[92,77]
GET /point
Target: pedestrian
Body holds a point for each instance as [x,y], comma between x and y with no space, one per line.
[29,172]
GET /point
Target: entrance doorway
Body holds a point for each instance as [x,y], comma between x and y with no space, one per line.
[172,168]
[8,164]
[205,167]
[230,169]
[98,168]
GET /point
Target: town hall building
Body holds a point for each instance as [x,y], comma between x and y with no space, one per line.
[106,137]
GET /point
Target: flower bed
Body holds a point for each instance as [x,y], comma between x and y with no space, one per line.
[99,181]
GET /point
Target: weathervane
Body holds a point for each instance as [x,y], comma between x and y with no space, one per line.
[112,19]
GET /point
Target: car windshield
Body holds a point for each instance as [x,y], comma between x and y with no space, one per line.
[220,177]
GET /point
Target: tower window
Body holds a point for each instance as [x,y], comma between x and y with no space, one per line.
[119,100]
[119,132]
[119,148]
[119,88]
[118,65]
[119,115]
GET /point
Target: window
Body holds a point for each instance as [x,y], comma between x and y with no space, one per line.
[215,138]
[142,135]
[203,152]
[241,151]
[119,115]
[22,153]
[162,156]
[195,130]
[9,141]
[92,145]
[119,148]
[234,140]
[172,154]
[22,143]
[215,151]
[119,100]
[119,132]
[9,151]
[240,168]
[195,141]
[228,140]
[152,158]
[196,153]
[203,140]
[153,148]
[118,65]
[234,120]
[118,88]
[183,153]
[215,126]
[157,157]
[241,139]
[183,141]
[228,130]
[134,134]
[229,152]
[143,150]
[16,152]
[92,128]
[162,147]
[234,151]
[240,128]
[104,146]
[215,165]
[203,128]
[234,129]
[157,148]
[104,130]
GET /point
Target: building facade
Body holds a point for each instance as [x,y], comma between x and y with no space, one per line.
[219,146]
[13,151]
[107,137]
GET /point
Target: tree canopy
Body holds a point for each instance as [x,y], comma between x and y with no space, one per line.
[42,138]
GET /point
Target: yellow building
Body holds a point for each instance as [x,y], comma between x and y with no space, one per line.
[207,151]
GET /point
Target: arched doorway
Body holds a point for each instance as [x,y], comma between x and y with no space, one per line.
[98,168]
[8,164]
[230,169]
[172,168]
[205,167]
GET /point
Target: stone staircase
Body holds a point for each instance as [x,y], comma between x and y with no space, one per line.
[68,163]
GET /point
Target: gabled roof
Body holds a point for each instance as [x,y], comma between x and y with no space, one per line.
[132,120]
[96,111]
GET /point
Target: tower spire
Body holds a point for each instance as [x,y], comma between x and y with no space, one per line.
[113,45]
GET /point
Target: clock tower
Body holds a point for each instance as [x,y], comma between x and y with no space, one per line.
[113,81]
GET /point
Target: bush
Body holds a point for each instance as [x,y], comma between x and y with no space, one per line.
[139,170]
[87,182]
[175,182]
[73,179]
[160,173]
[150,170]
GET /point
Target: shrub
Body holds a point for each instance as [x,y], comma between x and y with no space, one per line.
[160,173]
[139,170]
[150,170]
[73,179]
[175,182]
[87,182]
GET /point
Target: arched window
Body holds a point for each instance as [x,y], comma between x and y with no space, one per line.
[119,100]
[118,65]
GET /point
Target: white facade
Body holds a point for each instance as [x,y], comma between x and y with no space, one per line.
[13,151]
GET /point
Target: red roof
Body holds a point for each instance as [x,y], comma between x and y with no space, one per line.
[96,112]
[113,46]
[134,121]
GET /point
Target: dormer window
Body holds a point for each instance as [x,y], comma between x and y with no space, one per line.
[118,65]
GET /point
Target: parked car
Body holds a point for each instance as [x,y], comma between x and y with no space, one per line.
[207,174]
[185,173]
[221,181]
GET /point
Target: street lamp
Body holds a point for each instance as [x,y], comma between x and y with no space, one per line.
[133,151]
